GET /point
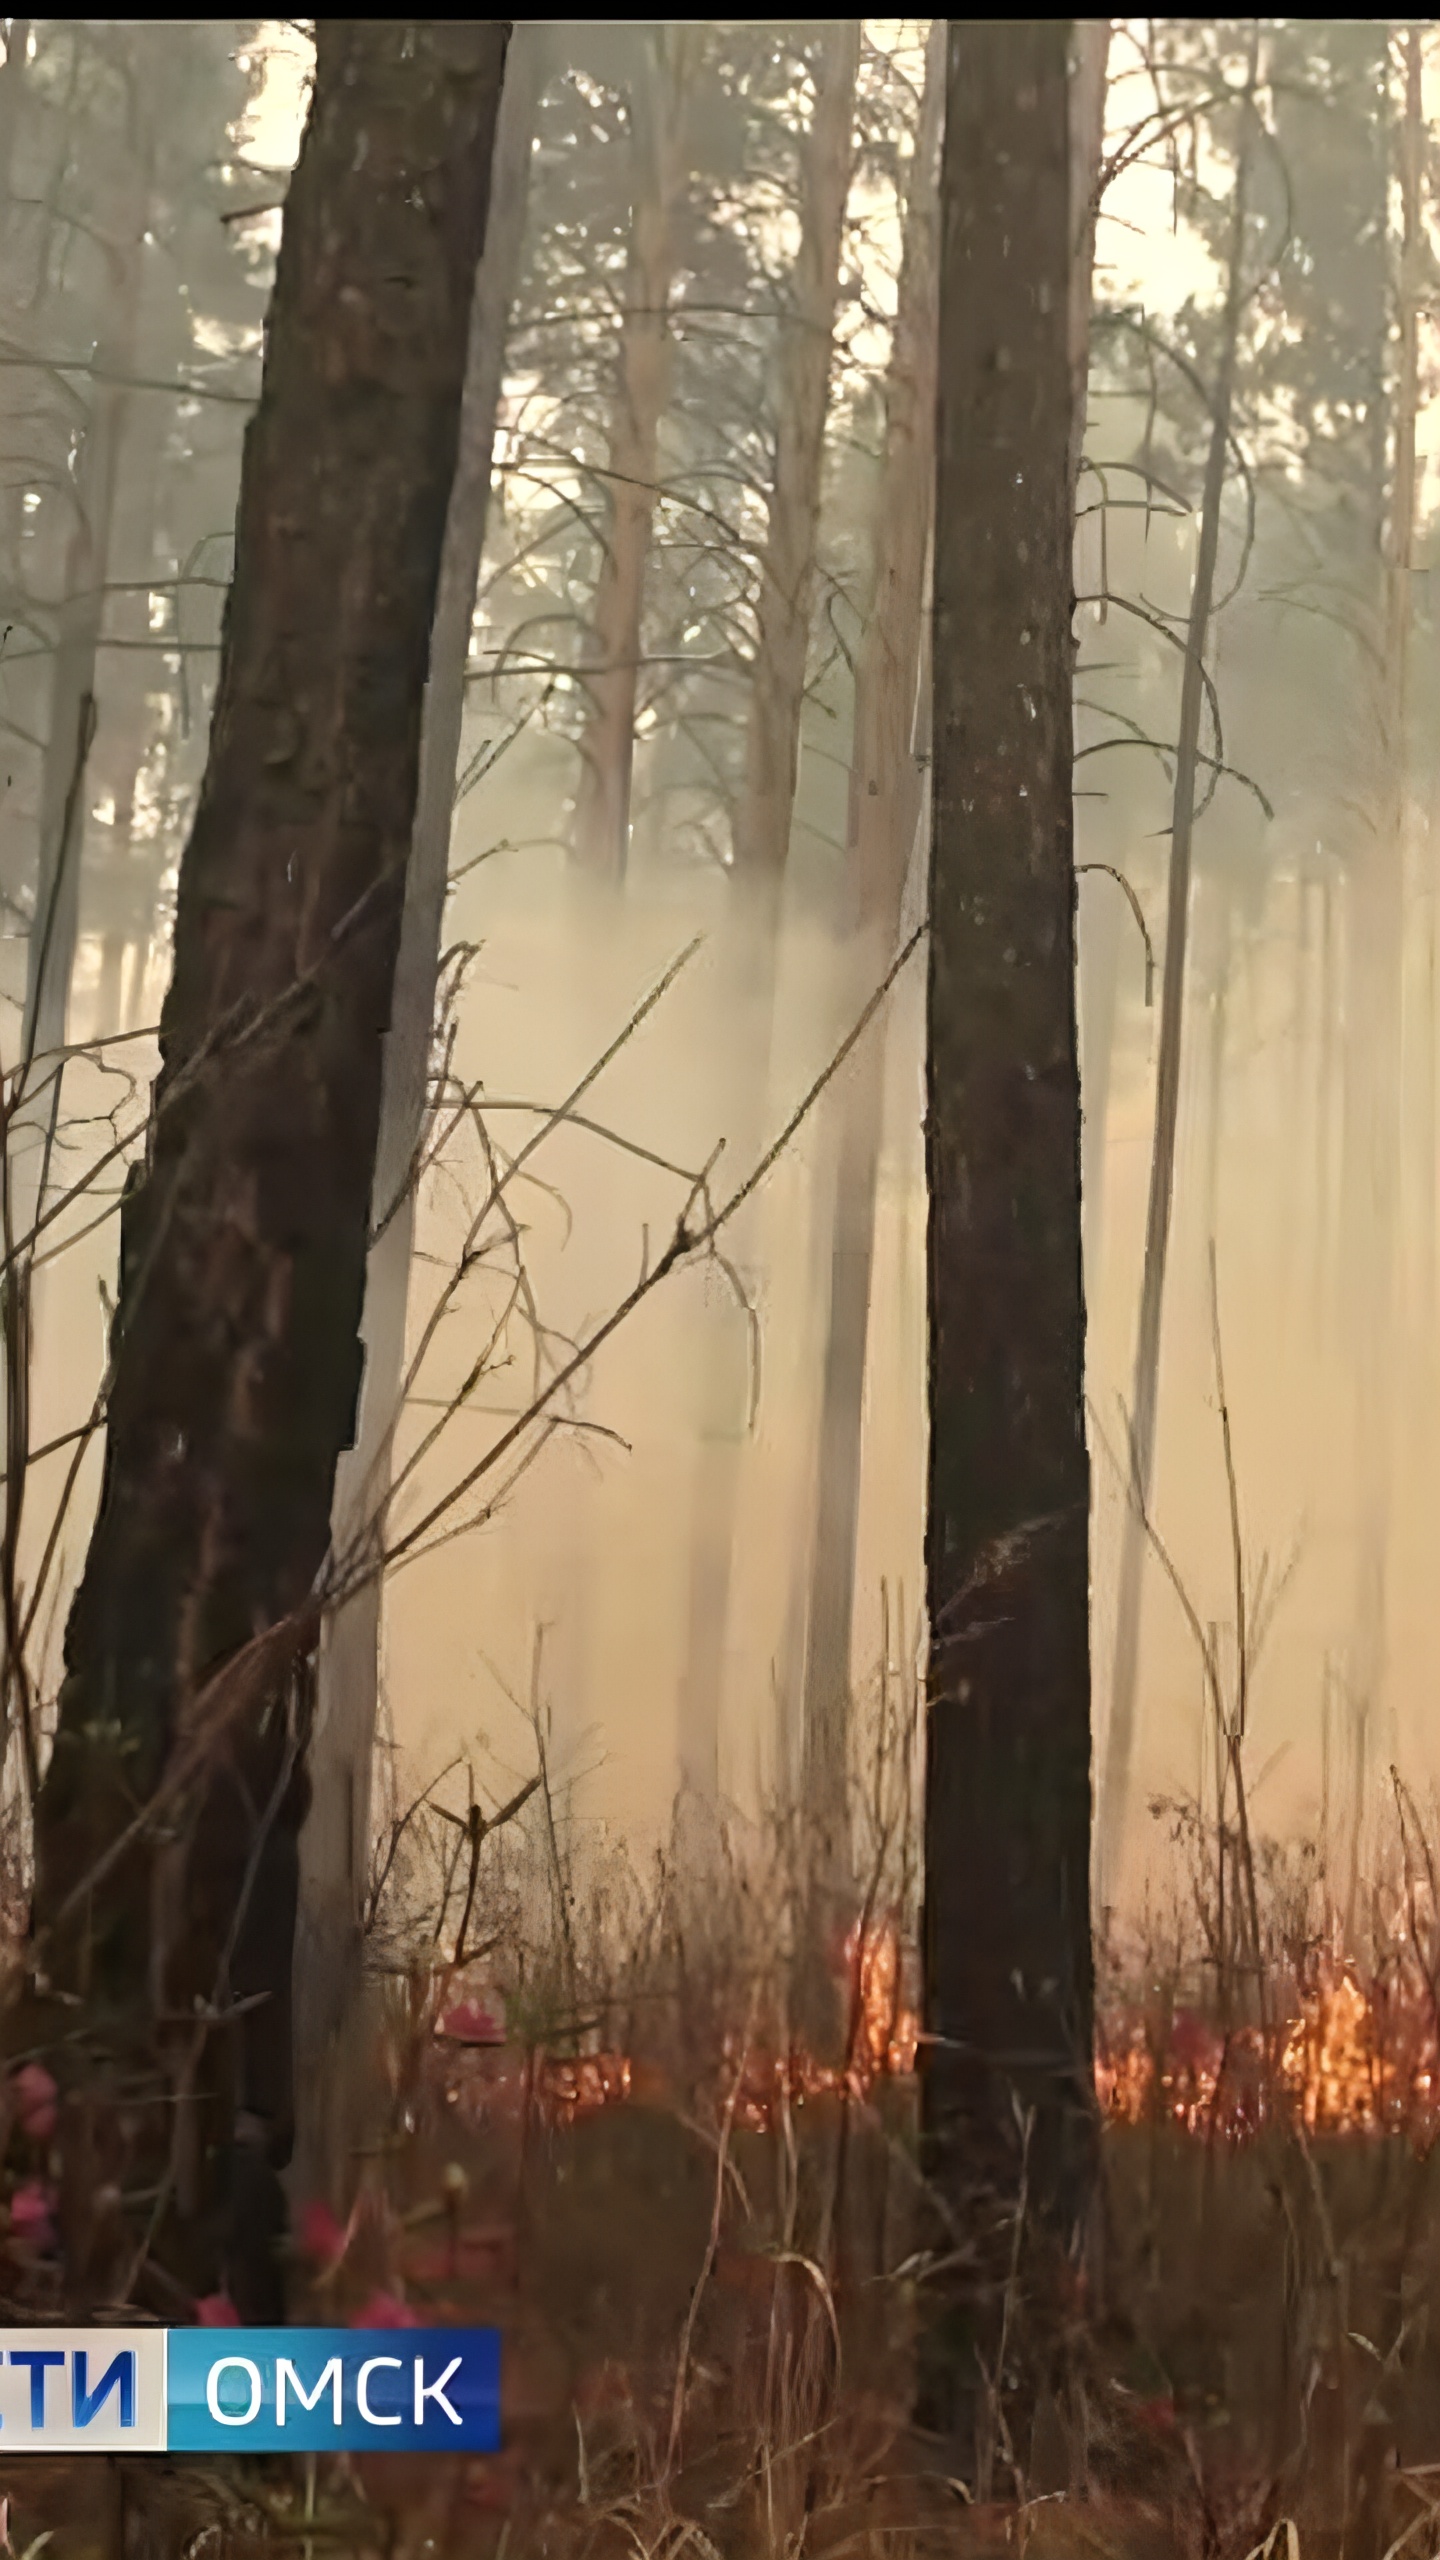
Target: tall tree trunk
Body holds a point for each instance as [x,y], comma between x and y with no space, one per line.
[335,1844]
[884,802]
[1120,1738]
[749,956]
[1008,2119]
[659,105]
[161,1947]
[1375,902]
[884,806]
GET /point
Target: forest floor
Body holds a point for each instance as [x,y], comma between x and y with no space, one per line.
[708,2302]
[705,2250]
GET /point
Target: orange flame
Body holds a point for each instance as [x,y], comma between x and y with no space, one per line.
[1347,2060]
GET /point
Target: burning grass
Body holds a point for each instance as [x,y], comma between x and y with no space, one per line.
[705,2245]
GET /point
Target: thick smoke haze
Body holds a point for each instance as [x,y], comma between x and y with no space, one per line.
[576,1595]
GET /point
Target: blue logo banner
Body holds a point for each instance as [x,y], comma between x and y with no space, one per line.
[333,2391]
[251,2390]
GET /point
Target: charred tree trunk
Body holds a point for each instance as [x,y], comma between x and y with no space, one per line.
[1008,2117]
[659,104]
[749,957]
[335,1846]
[884,804]
[166,1826]
[1120,1739]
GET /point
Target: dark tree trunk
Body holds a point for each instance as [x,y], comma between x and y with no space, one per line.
[1008,2103]
[336,1847]
[236,1346]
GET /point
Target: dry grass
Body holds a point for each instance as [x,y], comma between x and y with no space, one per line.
[592,2127]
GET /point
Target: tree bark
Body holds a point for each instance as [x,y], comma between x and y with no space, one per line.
[659,104]
[884,805]
[749,956]
[335,1844]
[1120,1739]
[161,1946]
[1008,2118]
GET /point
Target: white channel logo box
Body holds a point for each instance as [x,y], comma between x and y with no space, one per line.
[83,2390]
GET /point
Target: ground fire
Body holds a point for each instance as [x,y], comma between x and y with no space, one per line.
[1342,2059]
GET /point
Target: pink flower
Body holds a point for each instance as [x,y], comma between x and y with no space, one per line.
[30,2214]
[37,2094]
[216,2311]
[470,2022]
[384,2311]
[322,2237]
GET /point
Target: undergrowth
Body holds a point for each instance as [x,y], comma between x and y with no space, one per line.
[593,2124]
